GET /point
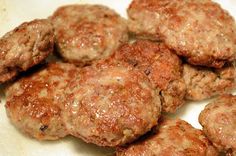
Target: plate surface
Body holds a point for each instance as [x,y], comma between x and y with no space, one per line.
[13,142]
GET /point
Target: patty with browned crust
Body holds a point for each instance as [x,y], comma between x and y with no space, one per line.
[87,33]
[35,102]
[172,138]
[25,46]
[199,30]
[161,65]
[219,121]
[111,105]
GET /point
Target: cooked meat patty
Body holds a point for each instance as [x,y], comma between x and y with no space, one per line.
[85,33]
[203,83]
[219,122]
[25,46]
[171,138]
[111,105]
[35,102]
[163,68]
[199,30]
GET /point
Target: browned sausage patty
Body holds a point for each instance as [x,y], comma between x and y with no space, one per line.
[203,83]
[111,105]
[219,122]
[199,30]
[24,47]
[163,68]
[85,33]
[35,102]
[171,138]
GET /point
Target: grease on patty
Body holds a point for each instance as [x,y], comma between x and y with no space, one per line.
[35,102]
[25,46]
[111,105]
[199,30]
[86,33]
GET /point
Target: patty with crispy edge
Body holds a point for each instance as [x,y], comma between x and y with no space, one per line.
[161,65]
[171,138]
[25,46]
[199,30]
[219,121]
[111,105]
[86,33]
[35,102]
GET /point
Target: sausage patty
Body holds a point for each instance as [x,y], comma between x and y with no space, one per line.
[219,121]
[201,31]
[25,46]
[161,65]
[203,83]
[35,102]
[111,105]
[171,138]
[85,33]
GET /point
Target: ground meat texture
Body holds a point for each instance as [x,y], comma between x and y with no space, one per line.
[25,46]
[171,138]
[35,102]
[111,105]
[86,33]
[203,83]
[219,121]
[199,30]
[163,68]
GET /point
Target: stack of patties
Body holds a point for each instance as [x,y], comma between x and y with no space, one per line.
[90,97]
[112,90]
[200,34]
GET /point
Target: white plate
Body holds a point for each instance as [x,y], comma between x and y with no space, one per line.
[13,142]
